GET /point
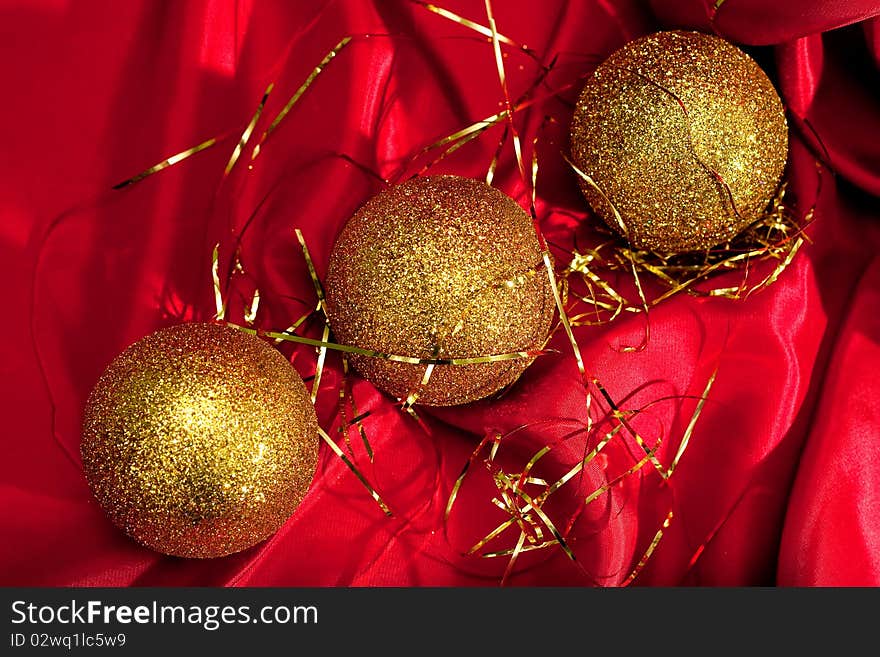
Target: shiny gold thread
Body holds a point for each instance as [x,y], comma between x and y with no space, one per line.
[684,136]
[439,267]
[199,440]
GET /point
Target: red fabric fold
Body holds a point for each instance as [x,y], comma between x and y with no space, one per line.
[758,23]
[777,484]
[831,536]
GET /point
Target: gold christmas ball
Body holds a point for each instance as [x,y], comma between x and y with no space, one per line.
[658,127]
[199,440]
[439,267]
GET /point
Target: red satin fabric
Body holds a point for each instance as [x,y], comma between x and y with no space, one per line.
[780,482]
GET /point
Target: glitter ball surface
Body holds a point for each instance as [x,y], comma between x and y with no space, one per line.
[439,267]
[654,122]
[199,440]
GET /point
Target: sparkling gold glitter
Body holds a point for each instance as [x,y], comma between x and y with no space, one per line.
[684,135]
[439,266]
[199,440]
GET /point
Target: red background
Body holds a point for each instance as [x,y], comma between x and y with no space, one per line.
[780,483]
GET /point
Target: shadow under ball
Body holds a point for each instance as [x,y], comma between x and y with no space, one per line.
[653,123]
[199,440]
[439,267]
